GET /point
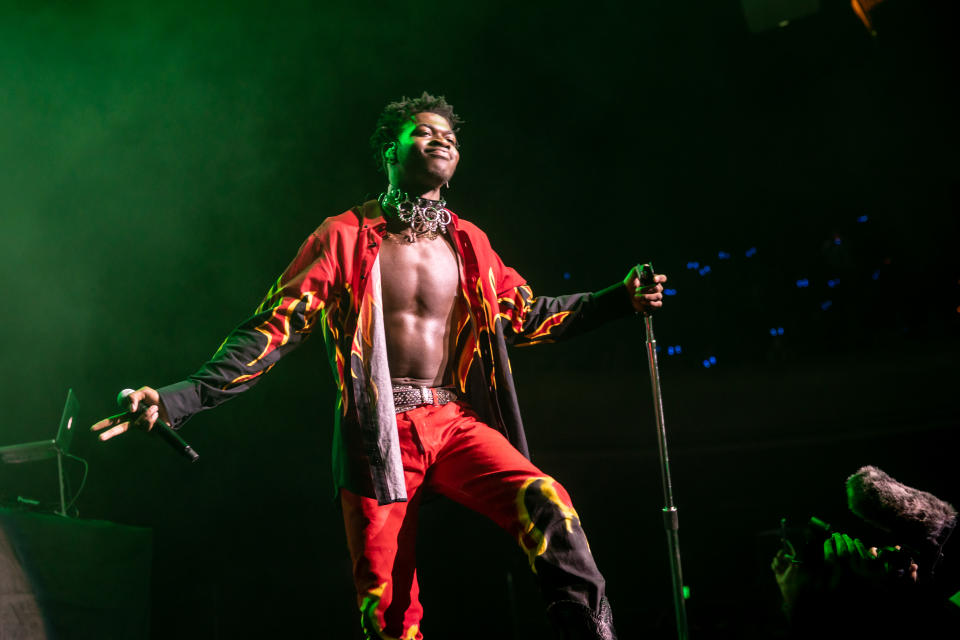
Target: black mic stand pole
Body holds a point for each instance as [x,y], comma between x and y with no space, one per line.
[670,514]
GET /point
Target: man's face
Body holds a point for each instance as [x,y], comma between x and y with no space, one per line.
[425,154]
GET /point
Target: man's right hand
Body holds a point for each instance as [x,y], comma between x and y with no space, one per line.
[120,423]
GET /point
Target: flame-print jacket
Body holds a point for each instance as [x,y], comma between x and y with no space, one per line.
[334,282]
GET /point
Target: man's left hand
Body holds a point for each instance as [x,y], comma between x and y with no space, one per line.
[645,299]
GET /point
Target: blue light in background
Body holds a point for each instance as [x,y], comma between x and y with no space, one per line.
[677,349]
[705,270]
[802,283]
[779,331]
[773,331]
[670,351]
[826,304]
[836,240]
[706,363]
[713,360]
[833,282]
[723,255]
[566,275]
[693,265]
[752,251]
[862,218]
[876,275]
[669,292]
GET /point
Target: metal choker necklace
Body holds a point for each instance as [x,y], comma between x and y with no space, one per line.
[425,217]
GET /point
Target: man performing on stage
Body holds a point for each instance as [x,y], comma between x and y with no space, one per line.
[416,310]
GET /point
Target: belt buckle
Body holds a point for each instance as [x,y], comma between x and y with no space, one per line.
[426,395]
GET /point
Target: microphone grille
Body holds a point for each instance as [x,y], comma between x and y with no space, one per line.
[122,396]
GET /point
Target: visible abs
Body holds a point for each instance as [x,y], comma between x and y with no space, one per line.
[420,287]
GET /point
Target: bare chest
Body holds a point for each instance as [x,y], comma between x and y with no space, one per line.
[421,278]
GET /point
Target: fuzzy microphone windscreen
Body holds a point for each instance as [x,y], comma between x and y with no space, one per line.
[922,519]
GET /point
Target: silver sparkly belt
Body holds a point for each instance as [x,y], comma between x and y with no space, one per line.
[408,396]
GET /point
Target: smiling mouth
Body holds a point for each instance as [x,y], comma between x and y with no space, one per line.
[437,153]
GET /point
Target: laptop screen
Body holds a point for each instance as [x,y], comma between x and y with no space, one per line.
[68,422]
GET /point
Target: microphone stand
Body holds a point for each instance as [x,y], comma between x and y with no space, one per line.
[671,521]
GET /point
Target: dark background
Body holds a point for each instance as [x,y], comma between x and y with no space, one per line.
[160,164]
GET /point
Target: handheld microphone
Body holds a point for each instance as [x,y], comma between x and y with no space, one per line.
[645,274]
[169,436]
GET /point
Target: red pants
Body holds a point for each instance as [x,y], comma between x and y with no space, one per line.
[448,450]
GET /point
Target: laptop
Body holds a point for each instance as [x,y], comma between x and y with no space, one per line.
[43,449]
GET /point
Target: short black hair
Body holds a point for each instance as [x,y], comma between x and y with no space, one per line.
[396,114]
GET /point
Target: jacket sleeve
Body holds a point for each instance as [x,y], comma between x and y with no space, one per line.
[281,322]
[528,319]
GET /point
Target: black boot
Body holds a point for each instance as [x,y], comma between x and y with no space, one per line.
[574,621]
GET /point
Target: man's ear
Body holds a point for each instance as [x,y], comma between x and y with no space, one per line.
[390,152]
